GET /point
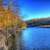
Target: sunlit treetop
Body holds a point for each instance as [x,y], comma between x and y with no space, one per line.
[9,19]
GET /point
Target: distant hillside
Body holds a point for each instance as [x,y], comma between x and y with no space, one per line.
[44,22]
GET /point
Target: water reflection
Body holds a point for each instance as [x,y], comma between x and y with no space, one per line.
[35,38]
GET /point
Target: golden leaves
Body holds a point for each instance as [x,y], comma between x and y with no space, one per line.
[8,19]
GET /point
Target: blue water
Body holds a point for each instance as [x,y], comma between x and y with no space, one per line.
[36,37]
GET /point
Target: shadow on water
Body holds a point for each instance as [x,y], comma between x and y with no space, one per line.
[35,37]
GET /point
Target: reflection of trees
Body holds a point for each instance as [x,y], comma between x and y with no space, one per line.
[11,25]
[8,22]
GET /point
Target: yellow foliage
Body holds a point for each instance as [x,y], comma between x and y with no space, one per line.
[8,19]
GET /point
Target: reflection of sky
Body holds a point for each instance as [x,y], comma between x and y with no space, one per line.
[33,8]
[36,38]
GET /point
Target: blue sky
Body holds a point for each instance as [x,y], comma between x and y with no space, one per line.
[35,9]
[30,9]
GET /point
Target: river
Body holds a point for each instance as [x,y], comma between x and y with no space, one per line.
[35,37]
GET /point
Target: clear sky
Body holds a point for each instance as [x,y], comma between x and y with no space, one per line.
[35,8]
[30,9]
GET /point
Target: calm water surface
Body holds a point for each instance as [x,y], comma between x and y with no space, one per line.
[36,38]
